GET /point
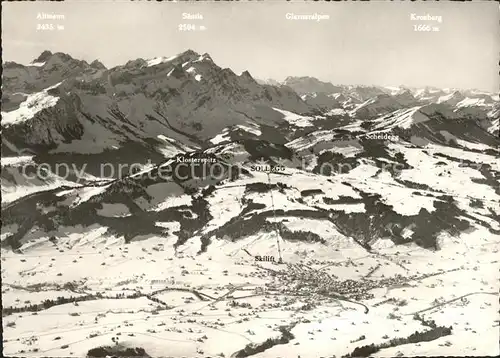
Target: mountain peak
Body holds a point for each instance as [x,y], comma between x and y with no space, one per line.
[98,65]
[206,56]
[189,54]
[139,62]
[55,57]
[296,78]
[227,72]
[44,56]
[306,84]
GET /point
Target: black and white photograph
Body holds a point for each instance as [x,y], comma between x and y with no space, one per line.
[264,179]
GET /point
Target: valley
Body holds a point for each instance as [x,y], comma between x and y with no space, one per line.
[225,295]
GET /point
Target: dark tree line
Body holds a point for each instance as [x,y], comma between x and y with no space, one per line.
[112,351]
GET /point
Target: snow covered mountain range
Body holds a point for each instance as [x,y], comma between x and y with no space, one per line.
[63,110]
[302,168]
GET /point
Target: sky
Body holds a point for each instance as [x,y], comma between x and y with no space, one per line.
[361,42]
